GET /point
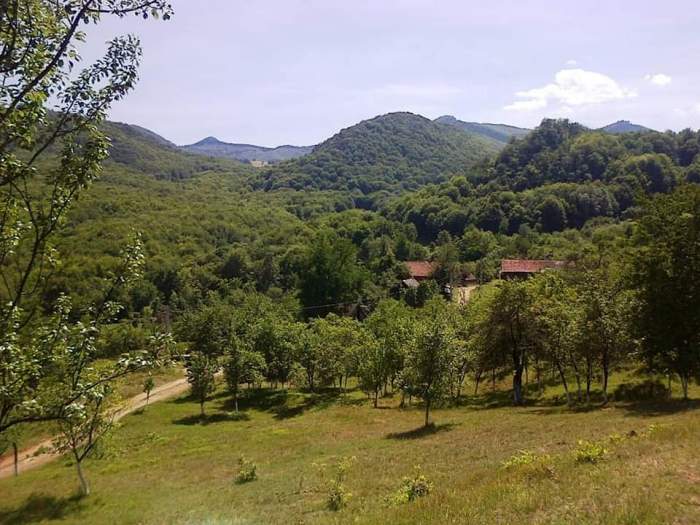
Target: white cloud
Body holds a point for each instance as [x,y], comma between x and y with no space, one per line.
[697,107]
[658,79]
[572,87]
[571,62]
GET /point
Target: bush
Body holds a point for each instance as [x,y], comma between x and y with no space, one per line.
[530,464]
[648,390]
[338,496]
[413,487]
[590,452]
[247,471]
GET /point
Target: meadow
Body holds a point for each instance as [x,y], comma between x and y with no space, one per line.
[166,465]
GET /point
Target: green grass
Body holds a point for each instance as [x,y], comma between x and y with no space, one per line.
[126,387]
[167,466]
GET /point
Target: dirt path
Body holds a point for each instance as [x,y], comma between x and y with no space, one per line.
[42,453]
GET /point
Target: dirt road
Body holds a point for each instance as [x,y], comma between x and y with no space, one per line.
[43,452]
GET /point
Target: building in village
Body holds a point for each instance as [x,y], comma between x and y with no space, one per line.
[418,271]
[523,268]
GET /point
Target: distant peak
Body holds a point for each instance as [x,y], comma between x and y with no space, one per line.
[208,140]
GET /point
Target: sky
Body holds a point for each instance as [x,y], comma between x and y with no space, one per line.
[274,72]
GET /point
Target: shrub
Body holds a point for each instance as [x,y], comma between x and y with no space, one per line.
[590,452]
[338,496]
[413,487]
[247,471]
[530,464]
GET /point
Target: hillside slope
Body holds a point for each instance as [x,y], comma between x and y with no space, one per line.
[144,151]
[501,133]
[389,154]
[624,126]
[213,147]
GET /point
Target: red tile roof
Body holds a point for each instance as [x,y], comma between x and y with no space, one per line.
[528,265]
[420,269]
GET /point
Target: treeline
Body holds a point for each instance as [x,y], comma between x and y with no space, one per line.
[633,307]
[559,176]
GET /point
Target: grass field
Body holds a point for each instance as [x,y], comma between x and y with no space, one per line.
[166,466]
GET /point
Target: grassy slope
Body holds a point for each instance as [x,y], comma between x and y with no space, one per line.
[169,468]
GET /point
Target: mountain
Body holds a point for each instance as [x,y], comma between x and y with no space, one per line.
[141,150]
[388,154]
[623,126]
[213,147]
[501,133]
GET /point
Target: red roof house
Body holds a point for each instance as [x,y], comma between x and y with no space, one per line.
[515,268]
[420,270]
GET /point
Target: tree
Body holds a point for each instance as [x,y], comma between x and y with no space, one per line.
[148,386]
[201,371]
[83,425]
[665,273]
[48,159]
[373,366]
[552,214]
[241,365]
[331,275]
[507,328]
[430,354]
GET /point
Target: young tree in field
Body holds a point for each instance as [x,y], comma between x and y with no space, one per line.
[48,159]
[665,272]
[430,355]
[391,324]
[555,315]
[242,365]
[604,333]
[148,386]
[507,327]
[373,366]
[201,371]
[82,426]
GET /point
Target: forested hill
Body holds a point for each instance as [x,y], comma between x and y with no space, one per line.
[559,176]
[146,152]
[381,156]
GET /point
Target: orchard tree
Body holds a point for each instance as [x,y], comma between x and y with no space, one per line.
[82,426]
[51,149]
[373,366]
[201,375]
[430,354]
[242,365]
[665,272]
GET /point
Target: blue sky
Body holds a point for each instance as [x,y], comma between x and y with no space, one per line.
[296,71]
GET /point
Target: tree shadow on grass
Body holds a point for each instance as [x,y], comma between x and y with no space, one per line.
[39,508]
[421,432]
[659,407]
[216,417]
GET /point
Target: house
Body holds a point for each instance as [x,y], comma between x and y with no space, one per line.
[420,270]
[522,268]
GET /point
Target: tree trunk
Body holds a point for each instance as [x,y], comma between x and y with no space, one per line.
[493,379]
[427,411]
[477,379]
[84,485]
[148,396]
[201,407]
[606,374]
[589,379]
[684,385]
[563,382]
[376,397]
[235,402]
[15,454]
[518,369]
